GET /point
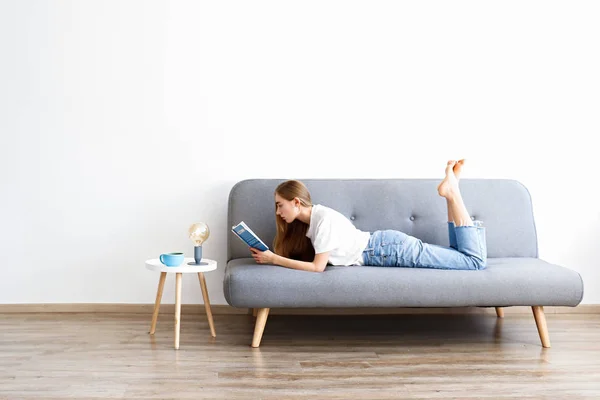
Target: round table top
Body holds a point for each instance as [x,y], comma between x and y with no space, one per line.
[207,265]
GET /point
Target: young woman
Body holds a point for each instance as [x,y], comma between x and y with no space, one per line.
[311,236]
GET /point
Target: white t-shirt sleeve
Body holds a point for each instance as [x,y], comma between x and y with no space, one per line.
[325,238]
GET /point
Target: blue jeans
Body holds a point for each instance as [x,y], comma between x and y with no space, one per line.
[391,248]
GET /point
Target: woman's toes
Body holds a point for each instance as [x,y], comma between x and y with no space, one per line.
[458,167]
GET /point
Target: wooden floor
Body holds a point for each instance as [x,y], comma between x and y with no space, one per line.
[59,356]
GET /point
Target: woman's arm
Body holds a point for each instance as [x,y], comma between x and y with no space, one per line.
[317,265]
[268,257]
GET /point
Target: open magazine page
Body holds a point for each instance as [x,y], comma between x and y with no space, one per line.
[246,234]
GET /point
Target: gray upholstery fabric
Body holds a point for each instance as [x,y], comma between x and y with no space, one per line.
[514,276]
[505,282]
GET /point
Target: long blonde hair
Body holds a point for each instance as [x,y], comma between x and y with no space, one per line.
[290,239]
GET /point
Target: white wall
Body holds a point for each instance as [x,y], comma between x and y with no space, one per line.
[121,122]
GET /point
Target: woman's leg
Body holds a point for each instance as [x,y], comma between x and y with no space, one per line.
[470,252]
[457,169]
[391,248]
[449,189]
[469,240]
[469,255]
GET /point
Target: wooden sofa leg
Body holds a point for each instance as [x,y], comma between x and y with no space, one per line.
[499,312]
[252,311]
[540,321]
[259,328]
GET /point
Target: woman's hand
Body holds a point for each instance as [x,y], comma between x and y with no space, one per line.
[263,257]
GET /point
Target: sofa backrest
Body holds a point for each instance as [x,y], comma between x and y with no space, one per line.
[412,206]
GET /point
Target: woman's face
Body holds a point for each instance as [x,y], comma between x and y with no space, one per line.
[285,209]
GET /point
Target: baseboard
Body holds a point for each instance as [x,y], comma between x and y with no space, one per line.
[219,309]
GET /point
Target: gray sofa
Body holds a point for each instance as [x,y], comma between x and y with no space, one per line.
[514,276]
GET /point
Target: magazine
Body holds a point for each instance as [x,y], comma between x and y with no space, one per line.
[242,231]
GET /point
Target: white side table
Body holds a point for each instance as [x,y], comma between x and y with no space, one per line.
[184,268]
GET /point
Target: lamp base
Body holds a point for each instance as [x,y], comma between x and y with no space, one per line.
[197,256]
[194,263]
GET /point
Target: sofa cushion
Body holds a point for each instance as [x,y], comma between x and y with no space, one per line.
[505,282]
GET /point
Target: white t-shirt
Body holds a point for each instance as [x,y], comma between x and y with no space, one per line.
[329,230]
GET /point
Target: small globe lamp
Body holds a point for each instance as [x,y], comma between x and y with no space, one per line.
[198,234]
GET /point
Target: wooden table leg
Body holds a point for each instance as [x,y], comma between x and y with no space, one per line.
[177,308]
[207,304]
[161,285]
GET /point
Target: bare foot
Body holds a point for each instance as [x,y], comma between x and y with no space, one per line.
[458,168]
[449,186]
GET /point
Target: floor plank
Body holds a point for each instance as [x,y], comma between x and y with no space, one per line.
[112,356]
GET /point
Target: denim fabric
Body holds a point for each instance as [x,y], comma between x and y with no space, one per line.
[452,235]
[391,248]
